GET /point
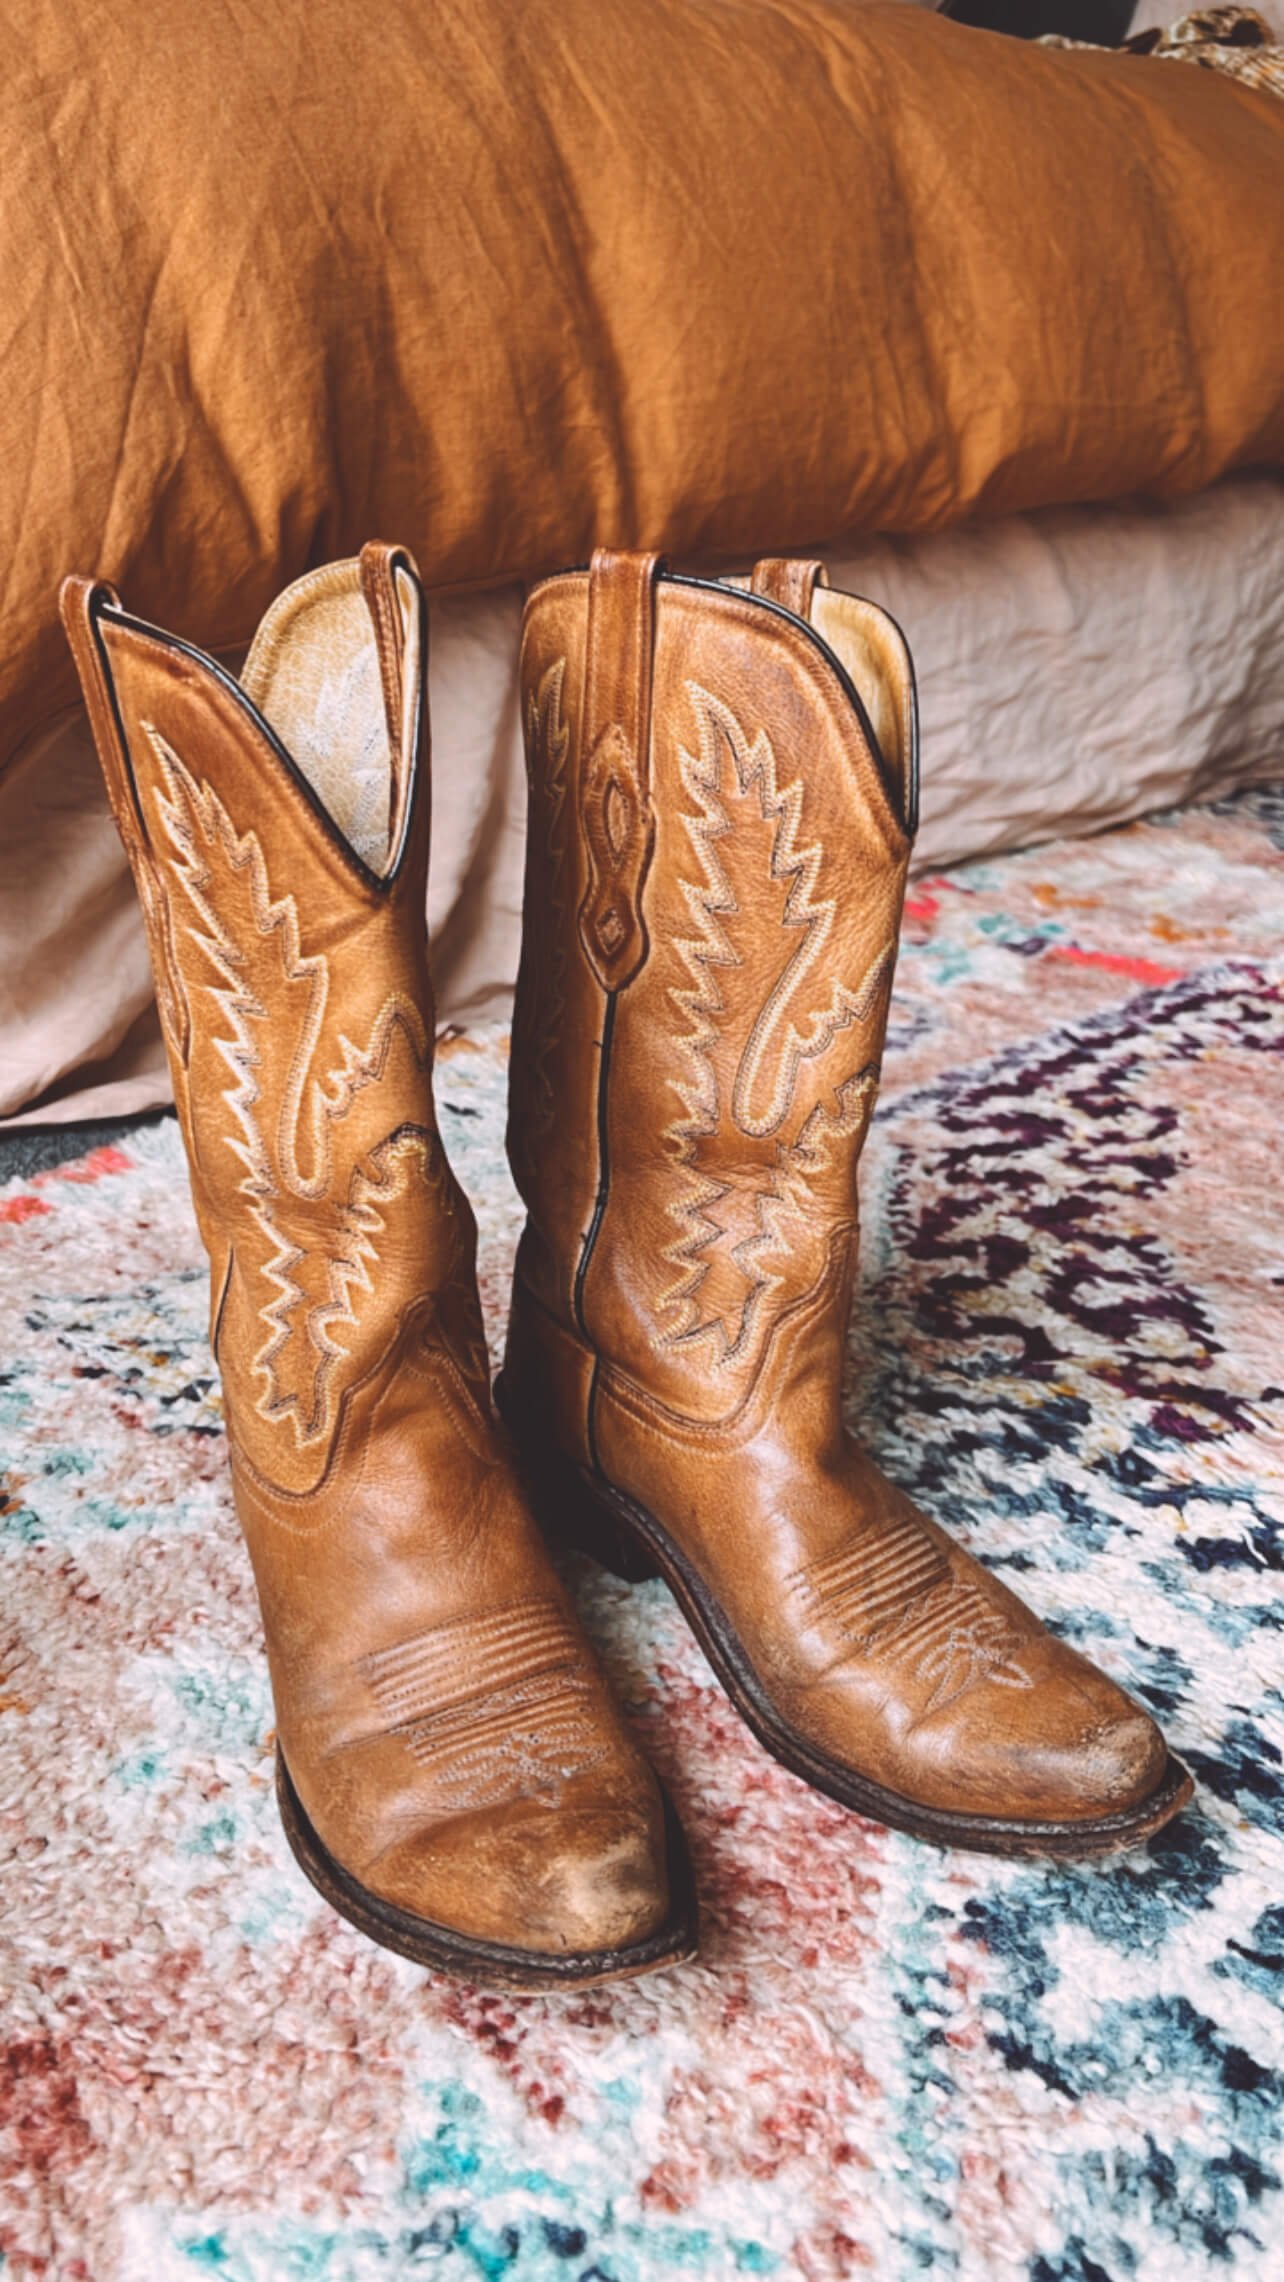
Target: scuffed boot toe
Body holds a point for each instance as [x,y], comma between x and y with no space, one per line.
[527,1893]
[1093,1753]
[1071,1760]
[561,1883]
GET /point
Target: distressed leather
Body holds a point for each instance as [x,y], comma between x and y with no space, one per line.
[445,1727]
[686,1134]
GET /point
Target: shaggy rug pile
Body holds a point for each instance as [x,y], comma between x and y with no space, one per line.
[887,2061]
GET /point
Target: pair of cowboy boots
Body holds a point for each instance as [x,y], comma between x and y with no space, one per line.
[722,796]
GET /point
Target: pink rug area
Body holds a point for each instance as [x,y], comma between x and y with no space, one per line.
[887,2061]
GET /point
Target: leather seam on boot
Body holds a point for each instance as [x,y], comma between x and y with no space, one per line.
[603,1192]
[595,1227]
[542,972]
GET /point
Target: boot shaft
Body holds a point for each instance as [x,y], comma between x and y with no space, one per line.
[278,833]
[721,804]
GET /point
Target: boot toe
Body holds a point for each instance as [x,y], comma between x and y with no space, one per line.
[1101,1755]
[575,1880]
[1072,1749]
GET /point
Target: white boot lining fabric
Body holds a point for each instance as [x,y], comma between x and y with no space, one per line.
[313,673]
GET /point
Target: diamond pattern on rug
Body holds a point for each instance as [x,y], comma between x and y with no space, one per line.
[887,2061]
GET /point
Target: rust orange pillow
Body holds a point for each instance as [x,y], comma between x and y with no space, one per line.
[499,281]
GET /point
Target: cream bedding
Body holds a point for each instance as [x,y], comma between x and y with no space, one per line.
[1076,668]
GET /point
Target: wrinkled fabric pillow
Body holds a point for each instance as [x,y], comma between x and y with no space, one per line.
[500,282]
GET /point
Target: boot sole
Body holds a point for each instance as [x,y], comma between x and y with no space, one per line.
[490,1964]
[584,1510]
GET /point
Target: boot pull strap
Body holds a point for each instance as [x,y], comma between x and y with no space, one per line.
[788,581]
[615,796]
[79,601]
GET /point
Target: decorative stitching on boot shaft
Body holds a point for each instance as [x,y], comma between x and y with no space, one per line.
[745,830]
[619,834]
[252,942]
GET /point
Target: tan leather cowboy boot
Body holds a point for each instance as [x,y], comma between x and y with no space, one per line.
[453,1773]
[722,801]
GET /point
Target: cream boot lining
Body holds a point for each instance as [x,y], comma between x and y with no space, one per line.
[313,673]
[873,650]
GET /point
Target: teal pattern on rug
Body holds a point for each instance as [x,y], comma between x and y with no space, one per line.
[887,2061]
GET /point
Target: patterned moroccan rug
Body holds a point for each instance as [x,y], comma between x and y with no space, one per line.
[887,2061]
